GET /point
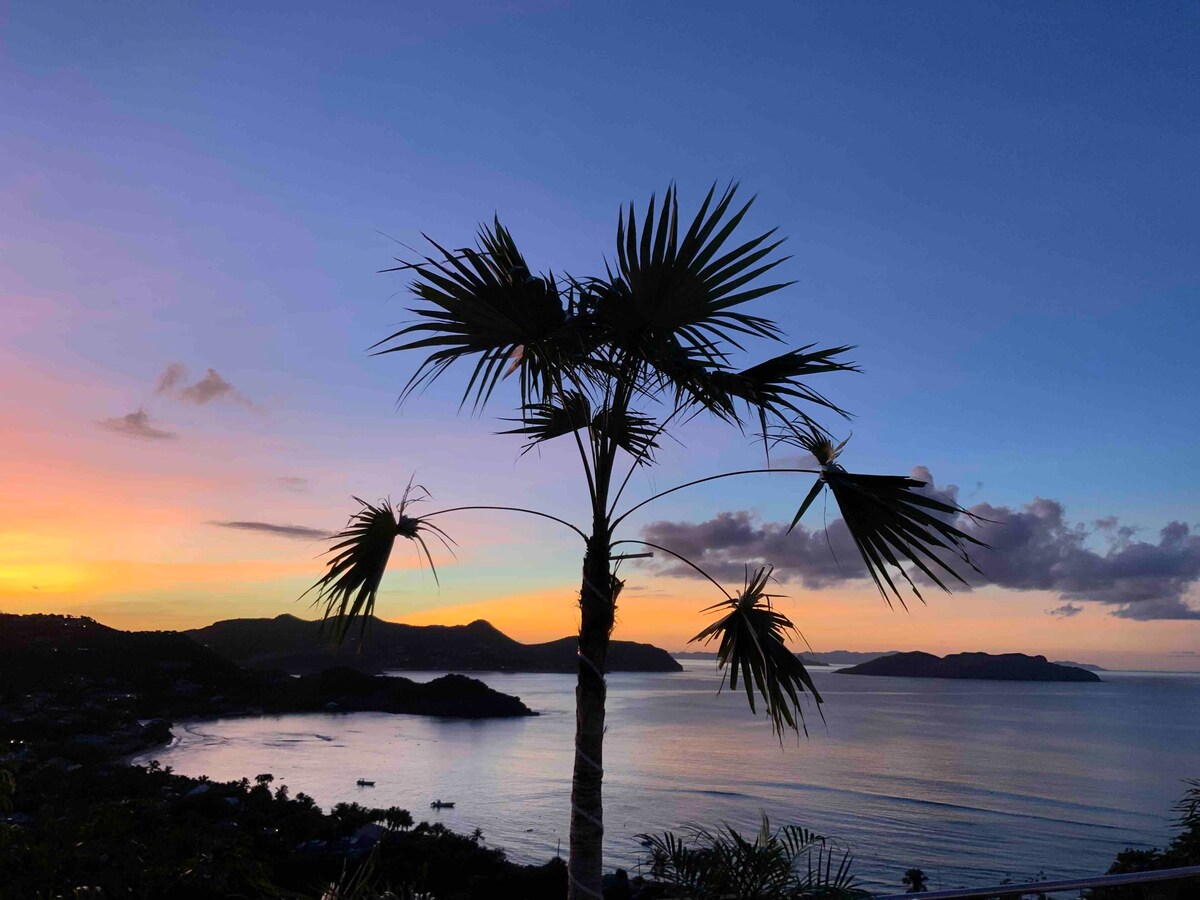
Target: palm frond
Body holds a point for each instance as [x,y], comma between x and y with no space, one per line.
[631,431]
[551,418]
[726,864]
[673,860]
[774,385]
[359,557]
[752,645]
[687,288]
[483,304]
[891,522]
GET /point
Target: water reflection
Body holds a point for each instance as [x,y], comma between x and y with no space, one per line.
[972,781]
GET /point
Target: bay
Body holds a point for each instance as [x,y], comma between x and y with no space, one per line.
[972,781]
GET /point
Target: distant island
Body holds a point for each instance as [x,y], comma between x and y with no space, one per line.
[984,666]
[1091,667]
[703,654]
[828,658]
[299,646]
[854,657]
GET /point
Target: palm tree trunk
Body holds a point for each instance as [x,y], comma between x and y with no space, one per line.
[585,867]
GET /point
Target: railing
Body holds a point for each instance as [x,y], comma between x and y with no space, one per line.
[1051,887]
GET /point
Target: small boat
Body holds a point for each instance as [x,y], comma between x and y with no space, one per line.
[362,782]
[442,804]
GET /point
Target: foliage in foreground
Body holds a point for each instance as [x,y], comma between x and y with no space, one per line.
[132,832]
[1184,850]
[788,863]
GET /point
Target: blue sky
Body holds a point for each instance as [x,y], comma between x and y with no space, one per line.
[998,202]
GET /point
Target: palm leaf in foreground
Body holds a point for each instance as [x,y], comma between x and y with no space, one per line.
[789,862]
[890,521]
[360,554]
[753,647]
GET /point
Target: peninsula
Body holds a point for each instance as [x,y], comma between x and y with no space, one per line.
[983,666]
[100,692]
[297,646]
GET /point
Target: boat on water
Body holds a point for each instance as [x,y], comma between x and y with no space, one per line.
[362,782]
[442,804]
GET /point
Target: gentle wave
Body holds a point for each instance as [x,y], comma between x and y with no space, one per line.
[971,785]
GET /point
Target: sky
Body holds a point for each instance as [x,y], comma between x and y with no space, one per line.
[998,203]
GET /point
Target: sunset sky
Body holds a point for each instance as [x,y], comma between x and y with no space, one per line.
[191,219]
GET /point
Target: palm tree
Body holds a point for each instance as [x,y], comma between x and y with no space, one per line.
[786,863]
[915,881]
[611,363]
[398,819]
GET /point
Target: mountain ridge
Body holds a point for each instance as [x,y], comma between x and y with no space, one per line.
[301,646]
[64,675]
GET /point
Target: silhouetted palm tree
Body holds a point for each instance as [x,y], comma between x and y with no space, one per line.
[786,863]
[915,880]
[398,818]
[610,363]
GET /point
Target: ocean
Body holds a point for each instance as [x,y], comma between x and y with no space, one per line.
[972,781]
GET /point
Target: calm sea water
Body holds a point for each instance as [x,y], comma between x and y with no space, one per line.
[972,781]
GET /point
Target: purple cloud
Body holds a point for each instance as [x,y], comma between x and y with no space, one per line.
[1032,548]
[292,531]
[1066,611]
[136,425]
[172,382]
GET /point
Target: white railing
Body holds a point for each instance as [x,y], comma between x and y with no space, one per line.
[1051,887]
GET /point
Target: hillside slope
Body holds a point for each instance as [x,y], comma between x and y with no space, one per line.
[298,646]
[60,670]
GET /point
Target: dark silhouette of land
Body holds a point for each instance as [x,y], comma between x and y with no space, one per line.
[705,654]
[1091,667]
[297,645]
[109,692]
[984,666]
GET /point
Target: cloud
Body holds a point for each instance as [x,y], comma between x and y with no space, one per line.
[136,425]
[1033,548]
[292,483]
[172,376]
[292,531]
[211,387]
[1066,611]
[173,383]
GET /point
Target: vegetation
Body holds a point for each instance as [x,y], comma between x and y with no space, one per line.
[915,880]
[786,863]
[93,692]
[612,363]
[145,832]
[1184,850]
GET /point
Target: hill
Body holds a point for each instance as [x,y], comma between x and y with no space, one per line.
[71,679]
[298,646]
[1091,667]
[854,657]
[985,666]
